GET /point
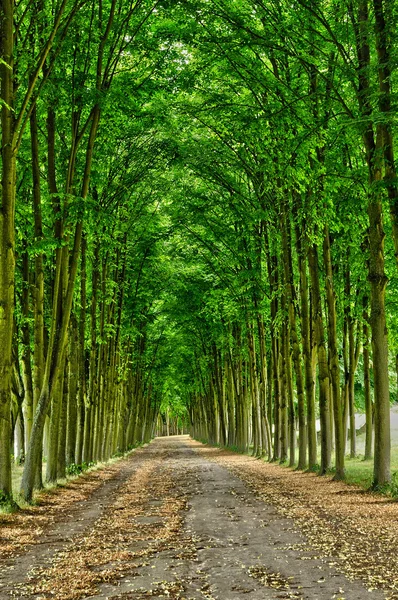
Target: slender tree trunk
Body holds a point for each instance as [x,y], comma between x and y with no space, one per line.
[366,383]
[378,282]
[219,396]
[56,406]
[296,350]
[307,350]
[19,450]
[232,434]
[334,358]
[323,369]
[263,389]
[72,393]
[283,392]
[82,392]
[256,418]
[61,457]
[291,412]
[351,360]
[7,238]
[276,395]
[38,294]
[26,352]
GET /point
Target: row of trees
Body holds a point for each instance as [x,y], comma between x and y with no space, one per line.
[77,230]
[294,110]
[192,222]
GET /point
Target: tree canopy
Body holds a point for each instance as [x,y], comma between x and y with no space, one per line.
[199,229]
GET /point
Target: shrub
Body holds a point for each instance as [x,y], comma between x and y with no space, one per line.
[74,469]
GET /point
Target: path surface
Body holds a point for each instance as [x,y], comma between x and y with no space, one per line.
[181,520]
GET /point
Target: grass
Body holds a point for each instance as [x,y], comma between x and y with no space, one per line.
[360,472]
[16,476]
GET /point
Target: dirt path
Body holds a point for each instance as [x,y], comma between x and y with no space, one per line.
[185,521]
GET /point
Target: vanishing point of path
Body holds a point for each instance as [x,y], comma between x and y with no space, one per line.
[181,520]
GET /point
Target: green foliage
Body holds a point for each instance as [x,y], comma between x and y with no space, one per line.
[213,125]
[7,503]
[74,469]
[393,487]
[4,498]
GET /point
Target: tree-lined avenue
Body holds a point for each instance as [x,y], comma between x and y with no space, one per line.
[186,521]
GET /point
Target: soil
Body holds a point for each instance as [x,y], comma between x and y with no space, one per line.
[185,521]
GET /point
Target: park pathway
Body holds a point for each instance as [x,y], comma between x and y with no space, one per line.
[180,520]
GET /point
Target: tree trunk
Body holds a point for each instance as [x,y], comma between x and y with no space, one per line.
[61,457]
[385,124]
[323,369]
[376,270]
[296,350]
[263,389]
[283,392]
[26,352]
[334,358]
[72,394]
[7,239]
[307,351]
[378,282]
[38,294]
[366,383]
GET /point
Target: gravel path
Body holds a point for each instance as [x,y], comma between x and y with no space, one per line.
[182,520]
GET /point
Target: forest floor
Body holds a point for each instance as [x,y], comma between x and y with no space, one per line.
[180,520]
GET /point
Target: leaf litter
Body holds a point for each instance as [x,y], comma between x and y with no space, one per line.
[20,530]
[109,551]
[358,530]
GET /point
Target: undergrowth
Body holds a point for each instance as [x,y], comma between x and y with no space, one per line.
[74,469]
[7,503]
